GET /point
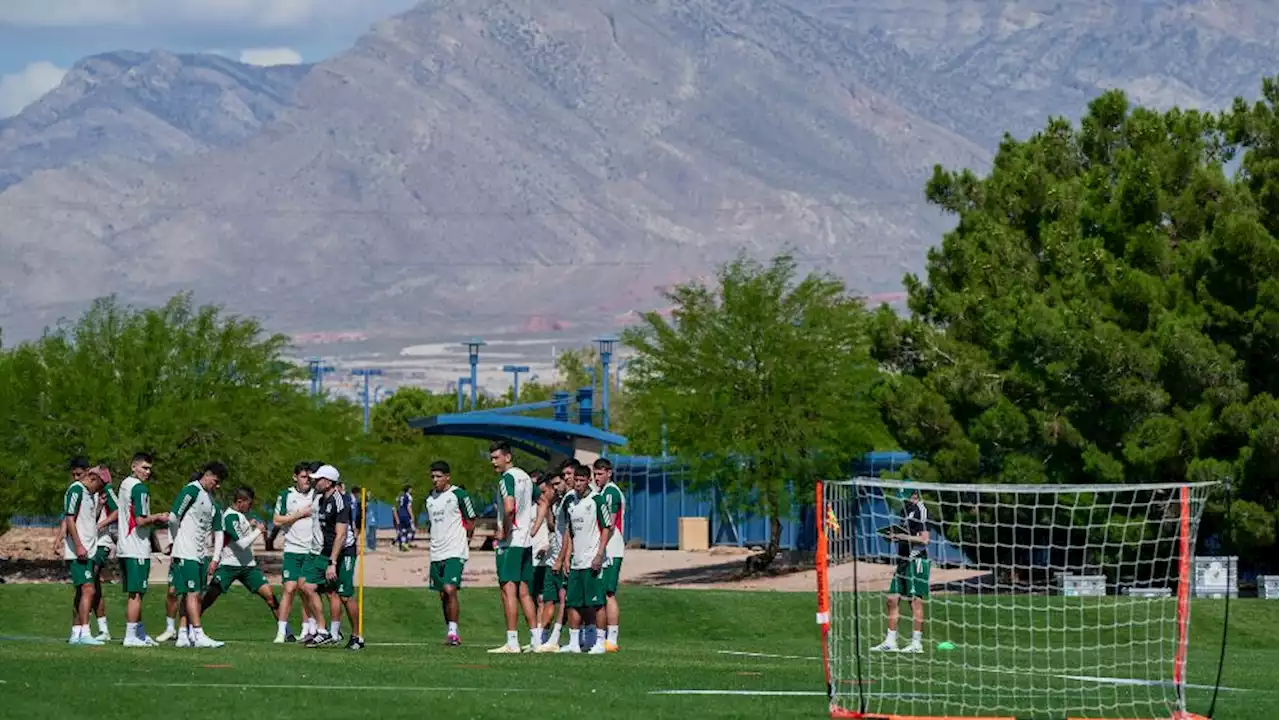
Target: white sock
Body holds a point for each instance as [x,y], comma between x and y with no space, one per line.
[335,628]
[197,632]
[612,637]
[513,639]
[535,636]
[555,633]
[102,624]
[917,637]
[891,637]
[77,631]
[574,634]
[131,630]
[451,628]
[171,624]
[309,626]
[282,627]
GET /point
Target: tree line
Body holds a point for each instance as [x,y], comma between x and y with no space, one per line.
[1104,311]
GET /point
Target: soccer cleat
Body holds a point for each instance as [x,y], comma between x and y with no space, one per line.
[548,647]
[90,640]
[913,647]
[505,650]
[204,641]
[336,639]
[138,642]
[610,647]
[320,639]
[279,639]
[526,648]
[184,640]
[885,646]
[569,649]
[356,643]
[104,636]
[453,640]
[596,650]
[166,636]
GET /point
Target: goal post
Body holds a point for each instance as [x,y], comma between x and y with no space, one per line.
[1033,601]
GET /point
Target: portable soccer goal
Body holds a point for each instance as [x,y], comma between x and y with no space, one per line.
[1038,601]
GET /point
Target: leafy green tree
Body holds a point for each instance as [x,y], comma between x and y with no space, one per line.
[1105,311]
[762,383]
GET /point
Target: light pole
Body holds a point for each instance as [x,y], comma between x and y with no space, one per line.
[473,353]
[606,354]
[462,383]
[318,369]
[366,373]
[515,371]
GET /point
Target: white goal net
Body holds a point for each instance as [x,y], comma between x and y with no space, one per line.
[1009,601]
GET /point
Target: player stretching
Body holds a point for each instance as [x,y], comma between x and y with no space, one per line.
[912,576]
[514,556]
[191,524]
[589,531]
[133,549]
[80,525]
[451,519]
[617,505]
[338,551]
[552,609]
[236,560]
[403,519]
[293,513]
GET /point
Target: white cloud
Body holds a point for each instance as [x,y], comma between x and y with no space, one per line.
[266,57]
[20,89]
[248,13]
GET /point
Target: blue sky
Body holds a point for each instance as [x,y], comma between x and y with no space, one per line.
[40,39]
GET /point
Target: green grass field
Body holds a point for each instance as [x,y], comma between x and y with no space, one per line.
[672,640]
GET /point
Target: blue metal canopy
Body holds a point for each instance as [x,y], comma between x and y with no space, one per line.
[536,435]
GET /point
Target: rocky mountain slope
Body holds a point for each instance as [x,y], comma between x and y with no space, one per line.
[488,164]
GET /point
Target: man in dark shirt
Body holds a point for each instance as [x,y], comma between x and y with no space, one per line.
[339,548]
[911,578]
[403,519]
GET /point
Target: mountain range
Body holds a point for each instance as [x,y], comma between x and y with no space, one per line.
[508,165]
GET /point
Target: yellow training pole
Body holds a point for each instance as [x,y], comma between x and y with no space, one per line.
[364,521]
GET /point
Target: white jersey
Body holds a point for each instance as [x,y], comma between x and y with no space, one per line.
[82,506]
[588,519]
[109,502]
[238,537]
[298,537]
[616,503]
[448,513]
[541,541]
[134,541]
[191,523]
[516,483]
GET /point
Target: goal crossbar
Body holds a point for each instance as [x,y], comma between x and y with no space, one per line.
[1011,648]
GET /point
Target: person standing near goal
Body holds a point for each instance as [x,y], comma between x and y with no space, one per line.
[911,579]
[451,520]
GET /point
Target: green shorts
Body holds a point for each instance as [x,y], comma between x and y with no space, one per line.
[611,576]
[314,572]
[515,564]
[585,589]
[551,586]
[135,573]
[293,567]
[911,579]
[101,556]
[250,577]
[189,576]
[445,572]
[346,576]
[81,571]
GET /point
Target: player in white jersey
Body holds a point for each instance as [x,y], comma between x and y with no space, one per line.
[551,613]
[80,527]
[107,515]
[616,503]
[293,512]
[516,514]
[451,518]
[133,546]
[589,529]
[191,521]
[233,549]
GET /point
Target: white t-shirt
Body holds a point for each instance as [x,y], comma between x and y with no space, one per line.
[238,539]
[298,537]
[82,506]
[515,483]
[134,540]
[191,523]
[448,512]
[588,519]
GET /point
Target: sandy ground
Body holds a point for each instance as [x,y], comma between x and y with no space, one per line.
[28,555]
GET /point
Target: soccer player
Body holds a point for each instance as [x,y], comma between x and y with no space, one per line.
[514,555]
[293,512]
[403,519]
[338,551]
[551,611]
[540,546]
[108,511]
[134,524]
[911,579]
[451,518]
[616,503]
[191,525]
[236,561]
[80,526]
[174,618]
[589,530]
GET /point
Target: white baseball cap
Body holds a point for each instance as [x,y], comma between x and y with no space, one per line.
[328,472]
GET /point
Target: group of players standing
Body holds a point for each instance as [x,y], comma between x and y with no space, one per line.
[559,550]
[211,549]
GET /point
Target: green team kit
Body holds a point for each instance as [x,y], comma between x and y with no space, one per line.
[448,513]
